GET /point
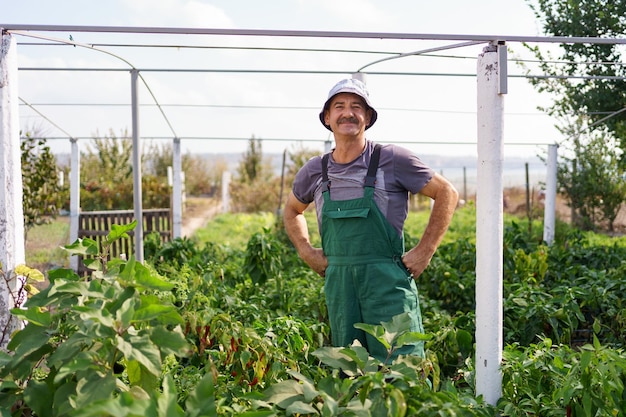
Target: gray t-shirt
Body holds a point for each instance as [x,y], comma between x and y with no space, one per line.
[399,172]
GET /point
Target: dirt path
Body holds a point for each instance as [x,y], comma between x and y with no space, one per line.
[197,213]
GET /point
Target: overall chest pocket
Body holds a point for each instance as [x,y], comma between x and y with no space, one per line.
[340,213]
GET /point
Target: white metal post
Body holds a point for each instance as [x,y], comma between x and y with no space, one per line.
[549,213]
[177,191]
[489,222]
[74,197]
[225,192]
[12,251]
[138,204]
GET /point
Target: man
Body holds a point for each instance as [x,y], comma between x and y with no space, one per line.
[360,190]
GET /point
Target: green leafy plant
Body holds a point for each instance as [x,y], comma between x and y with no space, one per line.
[17,285]
[544,379]
[359,384]
[91,344]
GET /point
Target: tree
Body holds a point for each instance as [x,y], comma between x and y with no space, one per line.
[600,98]
[588,83]
[251,165]
[256,187]
[43,193]
[201,178]
[590,175]
[107,177]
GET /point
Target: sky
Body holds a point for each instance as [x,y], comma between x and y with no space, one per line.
[432,113]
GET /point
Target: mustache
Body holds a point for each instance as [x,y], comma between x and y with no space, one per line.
[348,120]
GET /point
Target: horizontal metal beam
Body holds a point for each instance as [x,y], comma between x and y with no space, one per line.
[311,34]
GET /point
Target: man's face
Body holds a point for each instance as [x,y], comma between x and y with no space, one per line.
[347,114]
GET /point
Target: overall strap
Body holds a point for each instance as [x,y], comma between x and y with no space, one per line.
[325,182]
[370,179]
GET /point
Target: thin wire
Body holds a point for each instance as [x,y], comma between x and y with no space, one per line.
[437,142]
[273,71]
[83,45]
[46,118]
[227,106]
[511,59]
[607,117]
[252,48]
[167,120]
[424,51]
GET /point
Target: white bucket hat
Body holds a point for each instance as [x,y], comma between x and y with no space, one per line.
[354,86]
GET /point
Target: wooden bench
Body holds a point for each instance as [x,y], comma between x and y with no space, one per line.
[96,225]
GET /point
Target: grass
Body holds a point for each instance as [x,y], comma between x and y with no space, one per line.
[43,245]
[234,229]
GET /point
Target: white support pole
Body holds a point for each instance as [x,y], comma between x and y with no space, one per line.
[138,204]
[12,251]
[177,191]
[74,197]
[489,222]
[360,76]
[549,213]
[225,192]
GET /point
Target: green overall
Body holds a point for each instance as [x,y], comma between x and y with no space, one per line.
[366,281]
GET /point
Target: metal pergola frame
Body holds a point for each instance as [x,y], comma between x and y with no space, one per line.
[492,85]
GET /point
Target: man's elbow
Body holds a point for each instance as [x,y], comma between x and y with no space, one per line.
[452,194]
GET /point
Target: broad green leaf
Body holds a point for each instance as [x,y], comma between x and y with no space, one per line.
[284,393]
[126,312]
[133,403]
[64,399]
[67,350]
[120,231]
[141,349]
[76,288]
[520,301]
[35,315]
[95,388]
[330,407]
[94,264]
[28,340]
[170,341]
[134,273]
[335,358]
[83,247]
[139,377]
[95,314]
[359,409]
[201,401]
[300,407]
[65,274]
[166,314]
[375,330]
[39,397]
[464,340]
[308,390]
[145,278]
[398,324]
[411,338]
[361,357]
[30,273]
[81,363]
[167,402]
[397,403]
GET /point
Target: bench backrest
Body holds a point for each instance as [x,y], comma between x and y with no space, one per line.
[97,224]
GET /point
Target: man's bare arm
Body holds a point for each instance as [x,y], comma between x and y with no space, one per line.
[445,198]
[298,232]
